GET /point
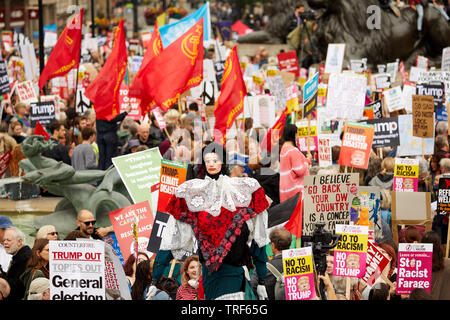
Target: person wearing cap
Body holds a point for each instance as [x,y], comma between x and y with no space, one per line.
[5,258]
[39,289]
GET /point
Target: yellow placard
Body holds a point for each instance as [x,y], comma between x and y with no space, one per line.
[351,242]
[257,80]
[297,266]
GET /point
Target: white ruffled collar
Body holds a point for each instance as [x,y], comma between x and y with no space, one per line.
[211,195]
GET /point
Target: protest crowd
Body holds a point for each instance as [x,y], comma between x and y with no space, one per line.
[272,160]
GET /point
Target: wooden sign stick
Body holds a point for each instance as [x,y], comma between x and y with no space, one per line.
[172,267]
[347,288]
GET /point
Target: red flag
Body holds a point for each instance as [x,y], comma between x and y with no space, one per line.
[176,69]
[66,53]
[137,89]
[40,131]
[231,99]
[274,133]
[294,225]
[104,90]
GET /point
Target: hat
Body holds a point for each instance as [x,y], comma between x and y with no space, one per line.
[39,285]
[5,222]
[133,143]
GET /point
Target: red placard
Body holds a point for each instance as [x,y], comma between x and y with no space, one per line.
[287,61]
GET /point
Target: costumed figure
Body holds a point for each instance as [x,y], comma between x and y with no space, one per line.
[227,219]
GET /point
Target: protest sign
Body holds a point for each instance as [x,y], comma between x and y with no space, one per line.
[159,224]
[394,99]
[386,132]
[4,79]
[307,135]
[122,222]
[433,76]
[77,270]
[410,145]
[436,90]
[159,118]
[116,282]
[4,162]
[139,172]
[358,66]
[25,92]
[172,175]
[324,150]
[414,73]
[298,271]
[406,175]
[29,60]
[423,116]
[310,91]
[322,94]
[381,68]
[392,68]
[44,112]
[125,100]
[408,91]
[365,209]
[346,96]
[135,63]
[422,62]
[414,267]
[287,61]
[278,90]
[443,196]
[335,57]
[375,264]
[327,200]
[356,145]
[383,81]
[445,66]
[292,98]
[350,254]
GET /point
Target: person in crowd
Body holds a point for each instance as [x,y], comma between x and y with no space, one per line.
[280,239]
[440,277]
[22,116]
[294,166]
[385,179]
[86,224]
[417,6]
[373,169]
[223,249]
[435,171]
[59,152]
[130,269]
[442,128]
[5,258]
[128,130]
[143,136]
[15,244]
[39,289]
[444,164]
[441,146]
[420,294]
[16,130]
[7,143]
[142,281]
[380,291]
[107,139]
[410,234]
[37,266]
[83,156]
[47,232]
[190,279]
[156,135]
[76,234]
[439,6]
[5,289]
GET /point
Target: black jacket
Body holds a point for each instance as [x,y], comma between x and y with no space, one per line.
[16,268]
[104,126]
[58,153]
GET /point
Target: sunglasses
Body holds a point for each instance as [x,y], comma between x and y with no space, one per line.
[89,222]
[52,233]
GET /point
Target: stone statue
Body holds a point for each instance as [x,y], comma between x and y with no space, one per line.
[62,180]
[343,21]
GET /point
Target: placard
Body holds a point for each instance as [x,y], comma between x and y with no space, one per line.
[4,79]
[386,132]
[356,145]
[415,261]
[125,100]
[423,116]
[436,90]
[298,270]
[139,172]
[26,93]
[327,199]
[307,135]
[350,254]
[383,81]
[44,112]
[335,57]
[278,90]
[410,145]
[434,76]
[324,151]
[287,61]
[375,264]
[365,209]
[310,91]
[406,175]
[77,270]
[445,66]
[172,175]
[4,162]
[443,196]
[122,221]
[394,99]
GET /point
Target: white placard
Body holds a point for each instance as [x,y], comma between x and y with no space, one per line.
[335,57]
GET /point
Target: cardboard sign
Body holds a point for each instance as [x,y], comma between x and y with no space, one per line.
[346,96]
[139,172]
[356,145]
[172,175]
[394,99]
[335,57]
[77,270]
[307,135]
[327,199]
[287,61]
[386,132]
[324,150]
[350,254]
[414,267]
[122,222]
[298,270]
[4,79]
[406,175]
[443,196]
[375,264]
[423,116]
[44,112]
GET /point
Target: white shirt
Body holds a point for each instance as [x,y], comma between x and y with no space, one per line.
[5,259]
